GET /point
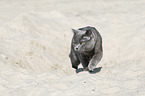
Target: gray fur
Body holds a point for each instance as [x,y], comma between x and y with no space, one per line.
[86,48]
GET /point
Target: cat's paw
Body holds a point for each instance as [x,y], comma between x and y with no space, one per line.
[91,67]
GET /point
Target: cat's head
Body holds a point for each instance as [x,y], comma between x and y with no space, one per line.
[83,40]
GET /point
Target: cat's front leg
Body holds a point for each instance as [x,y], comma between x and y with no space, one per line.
[95,60]
[74,59]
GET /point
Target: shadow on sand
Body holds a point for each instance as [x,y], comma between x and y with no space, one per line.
[96,70]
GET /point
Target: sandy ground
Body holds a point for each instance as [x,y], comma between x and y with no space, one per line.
[35,38]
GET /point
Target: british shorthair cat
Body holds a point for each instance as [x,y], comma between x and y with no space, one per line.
[86,48]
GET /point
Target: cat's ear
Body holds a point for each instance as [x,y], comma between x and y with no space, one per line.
[88,32]
[75,31]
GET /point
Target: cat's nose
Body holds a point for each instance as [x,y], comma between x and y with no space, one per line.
[76,48]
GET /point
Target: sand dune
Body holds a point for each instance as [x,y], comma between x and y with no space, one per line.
[35,44]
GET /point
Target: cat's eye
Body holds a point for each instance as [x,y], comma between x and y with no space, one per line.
[86,37]
[81,43]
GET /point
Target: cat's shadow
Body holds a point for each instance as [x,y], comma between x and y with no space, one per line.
[96,70]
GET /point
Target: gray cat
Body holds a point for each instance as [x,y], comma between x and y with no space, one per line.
[86,48]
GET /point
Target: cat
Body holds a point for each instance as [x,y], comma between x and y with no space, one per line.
[86,48]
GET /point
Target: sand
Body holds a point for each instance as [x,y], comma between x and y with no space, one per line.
[35,39]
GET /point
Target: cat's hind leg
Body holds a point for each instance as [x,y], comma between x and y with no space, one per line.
[84,60]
